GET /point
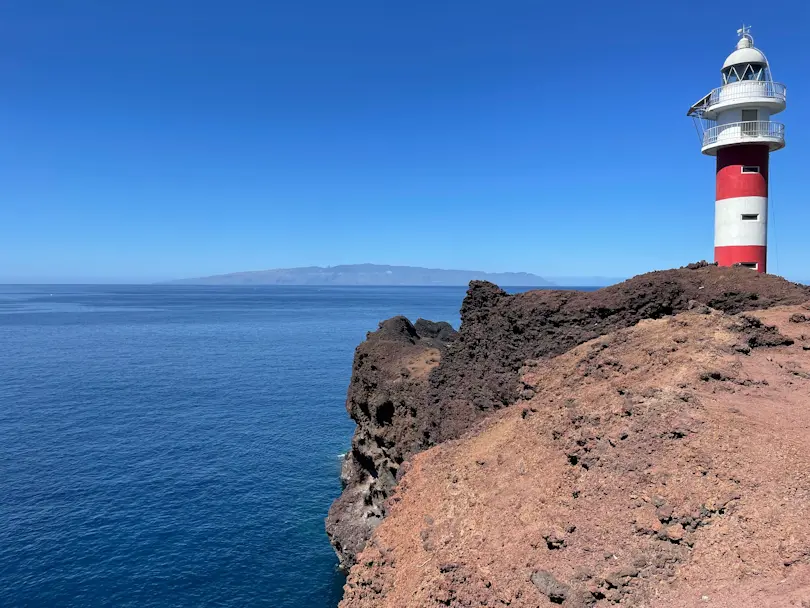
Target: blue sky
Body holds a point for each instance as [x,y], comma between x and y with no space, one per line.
[149,140]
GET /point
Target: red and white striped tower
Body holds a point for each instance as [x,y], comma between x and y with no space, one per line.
[737,129]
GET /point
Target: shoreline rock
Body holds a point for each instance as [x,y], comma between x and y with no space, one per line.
[415,386]
[388,380]
[655,466]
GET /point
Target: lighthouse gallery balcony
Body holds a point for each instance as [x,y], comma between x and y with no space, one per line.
[750,132]
[765,94]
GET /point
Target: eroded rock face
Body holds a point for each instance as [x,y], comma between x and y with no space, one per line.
[500,331]
[656,466]
[389,380]
[415,386]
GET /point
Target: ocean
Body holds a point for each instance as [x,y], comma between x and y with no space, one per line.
[179,446]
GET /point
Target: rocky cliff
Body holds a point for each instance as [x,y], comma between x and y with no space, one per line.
[662,465]
[416,386]
[387,392]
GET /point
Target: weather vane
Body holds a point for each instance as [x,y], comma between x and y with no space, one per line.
[744,31]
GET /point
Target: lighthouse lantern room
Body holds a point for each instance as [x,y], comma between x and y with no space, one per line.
[736,127]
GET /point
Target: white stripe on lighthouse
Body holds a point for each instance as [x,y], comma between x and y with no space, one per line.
[741,221]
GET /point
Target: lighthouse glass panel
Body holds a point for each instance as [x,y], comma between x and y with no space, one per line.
[752,72]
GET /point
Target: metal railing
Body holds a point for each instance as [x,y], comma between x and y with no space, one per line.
[746,89]
[744,131]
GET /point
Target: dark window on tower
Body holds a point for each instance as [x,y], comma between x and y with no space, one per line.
[750,217]
[749,169]
[748,265]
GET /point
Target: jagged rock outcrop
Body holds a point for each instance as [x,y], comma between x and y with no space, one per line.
[414,387]
[662,465]
[389,382]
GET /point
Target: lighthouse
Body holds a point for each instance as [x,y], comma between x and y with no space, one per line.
[736,127]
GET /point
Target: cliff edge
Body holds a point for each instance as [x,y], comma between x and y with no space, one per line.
[416,386]
[665,464]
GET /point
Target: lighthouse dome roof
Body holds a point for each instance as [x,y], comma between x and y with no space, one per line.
[745,52]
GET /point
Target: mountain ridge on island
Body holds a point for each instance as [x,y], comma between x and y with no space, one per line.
[368,274]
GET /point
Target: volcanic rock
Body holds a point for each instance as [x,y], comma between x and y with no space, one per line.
[416,386]
[389,382]
[630,477]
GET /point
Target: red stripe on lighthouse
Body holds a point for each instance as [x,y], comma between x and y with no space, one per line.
[741,207]
[731,181]
[728,256]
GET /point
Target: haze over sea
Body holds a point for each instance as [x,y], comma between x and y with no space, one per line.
[179,446]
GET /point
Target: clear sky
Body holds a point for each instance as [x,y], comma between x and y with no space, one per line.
[162,139]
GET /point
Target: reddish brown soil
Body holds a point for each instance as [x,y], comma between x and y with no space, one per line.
[415,386]
[666,465]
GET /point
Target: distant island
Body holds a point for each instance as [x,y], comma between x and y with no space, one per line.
[368,274]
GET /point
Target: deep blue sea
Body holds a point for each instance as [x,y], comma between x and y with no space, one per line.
[178,446]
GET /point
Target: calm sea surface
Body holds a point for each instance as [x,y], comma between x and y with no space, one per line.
[178,446]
